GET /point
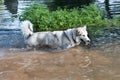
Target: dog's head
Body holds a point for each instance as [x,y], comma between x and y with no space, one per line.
[27,28]
[82,33]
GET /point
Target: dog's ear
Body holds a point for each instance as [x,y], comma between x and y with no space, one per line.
[84,26]
[77,31]
[30,27]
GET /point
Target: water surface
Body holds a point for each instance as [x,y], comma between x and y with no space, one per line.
[74,64]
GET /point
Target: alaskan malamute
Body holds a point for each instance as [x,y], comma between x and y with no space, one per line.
[54,39]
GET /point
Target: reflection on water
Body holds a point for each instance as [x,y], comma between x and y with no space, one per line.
[10,10]
[111,7]
[26,3]
[15,6]
[12,6]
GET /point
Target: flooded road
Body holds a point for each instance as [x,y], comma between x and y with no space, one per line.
[74,64]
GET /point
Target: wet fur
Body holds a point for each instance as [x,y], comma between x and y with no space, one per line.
[54,40]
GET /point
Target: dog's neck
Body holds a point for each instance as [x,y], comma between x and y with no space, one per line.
[72,40]
[28,36]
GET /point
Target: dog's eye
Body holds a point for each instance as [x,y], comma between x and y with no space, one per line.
[83,35]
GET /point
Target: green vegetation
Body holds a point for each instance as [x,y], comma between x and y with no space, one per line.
[61,19]
[1,1]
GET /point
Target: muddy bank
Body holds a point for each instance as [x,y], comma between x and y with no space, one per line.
[74,64]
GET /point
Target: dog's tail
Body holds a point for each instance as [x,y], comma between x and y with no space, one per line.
[27,28]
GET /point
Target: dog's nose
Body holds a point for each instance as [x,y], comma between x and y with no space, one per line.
[88,40]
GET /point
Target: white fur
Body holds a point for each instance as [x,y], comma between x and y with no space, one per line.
[83,34]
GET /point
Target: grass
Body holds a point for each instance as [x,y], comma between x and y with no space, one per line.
[61,19]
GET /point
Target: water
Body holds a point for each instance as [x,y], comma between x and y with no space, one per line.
[10,31]
[74,64]
[10,10]
[112,8]
[111,1]
[26,3]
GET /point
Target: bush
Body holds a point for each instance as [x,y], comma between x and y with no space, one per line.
[61,19]
[1,1]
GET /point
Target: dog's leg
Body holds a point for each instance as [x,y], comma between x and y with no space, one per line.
[34,49]
[28,47]
[31,48]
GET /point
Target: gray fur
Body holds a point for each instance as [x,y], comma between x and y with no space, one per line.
[56,39]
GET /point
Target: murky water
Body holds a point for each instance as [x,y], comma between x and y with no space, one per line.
[74,64]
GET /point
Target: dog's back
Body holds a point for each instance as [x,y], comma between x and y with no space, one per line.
[40,39]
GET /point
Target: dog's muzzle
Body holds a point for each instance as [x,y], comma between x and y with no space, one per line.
[86,42]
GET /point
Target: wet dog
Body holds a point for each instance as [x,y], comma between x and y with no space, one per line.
[54,39]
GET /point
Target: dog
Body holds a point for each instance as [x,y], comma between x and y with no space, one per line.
[54,39]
